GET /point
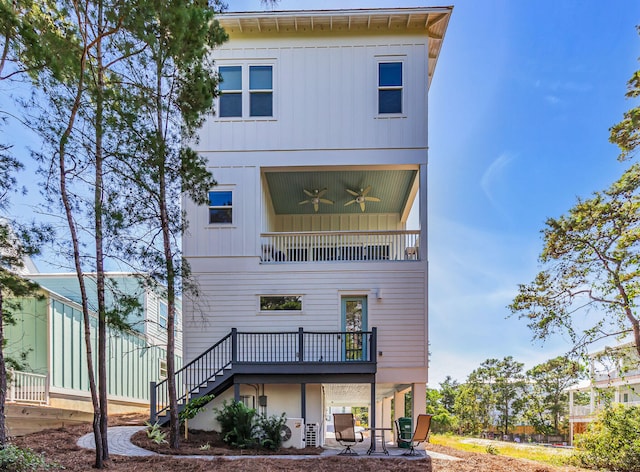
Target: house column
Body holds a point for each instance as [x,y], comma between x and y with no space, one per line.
[372,407]
[571,417]
[386,417]
[418,401]
[398,405]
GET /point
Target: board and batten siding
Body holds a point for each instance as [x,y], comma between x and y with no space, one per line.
[230,300]
[131,362]
[325,95]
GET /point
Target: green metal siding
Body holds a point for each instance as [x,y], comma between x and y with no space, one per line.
[28,335]
[131,363]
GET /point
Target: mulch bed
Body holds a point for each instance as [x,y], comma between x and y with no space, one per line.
[59,447]
[209,443]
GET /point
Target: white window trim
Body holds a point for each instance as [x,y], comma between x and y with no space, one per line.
[162,367]
[219,188]
[246,91]
[384,59]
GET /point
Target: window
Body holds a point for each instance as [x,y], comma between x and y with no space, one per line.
[389,87]
[281,303]
[231,91]
[162,371]
[221,207]
[236,99]
[163,314]
[260,91]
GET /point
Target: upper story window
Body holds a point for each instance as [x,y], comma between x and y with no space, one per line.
[261,91]
[390,86]
[163,314]
[221,207]
[231,91]
[246,91]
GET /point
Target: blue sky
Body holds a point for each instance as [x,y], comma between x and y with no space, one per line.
[521,103]
[520,106]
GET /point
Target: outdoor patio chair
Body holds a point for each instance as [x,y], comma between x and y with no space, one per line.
[420,434]
[345,428]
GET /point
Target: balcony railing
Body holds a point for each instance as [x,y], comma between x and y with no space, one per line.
[25,387]
[587,410]
[340,246]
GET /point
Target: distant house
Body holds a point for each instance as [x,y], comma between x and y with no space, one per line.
[49,335]
[614,379]
[313,282]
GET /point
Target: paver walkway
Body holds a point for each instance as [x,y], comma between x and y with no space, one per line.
[120,444]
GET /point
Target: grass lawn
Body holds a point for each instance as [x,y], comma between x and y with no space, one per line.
[547,455]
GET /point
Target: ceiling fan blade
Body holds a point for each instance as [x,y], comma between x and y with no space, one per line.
[303,202]
[366,191]
[325,200]
[355,194]
[310,194]
[372,199]
[321,192]
[315,207]
[362,206]
[349,202]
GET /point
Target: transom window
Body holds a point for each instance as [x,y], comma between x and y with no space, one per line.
[281,303]
[220,207]
[389,87]
[246,89]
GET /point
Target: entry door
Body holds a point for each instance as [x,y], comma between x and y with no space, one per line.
[354,322]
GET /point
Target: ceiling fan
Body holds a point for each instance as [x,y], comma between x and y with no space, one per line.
[315,198]
[361,197]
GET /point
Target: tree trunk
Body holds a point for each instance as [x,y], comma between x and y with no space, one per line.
[64,195]
[3,378]
[98,214]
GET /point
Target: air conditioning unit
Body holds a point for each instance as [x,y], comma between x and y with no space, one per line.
[312,435]
[293,433]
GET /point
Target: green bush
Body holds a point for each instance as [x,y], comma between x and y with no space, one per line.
[155,433]
[270,430]
[491,449]
[612,441]
[237,424]
[193,407]
[15,459]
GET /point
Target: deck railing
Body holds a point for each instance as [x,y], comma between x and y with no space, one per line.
[236,348]
[587,410]
[26,387]
[340,246]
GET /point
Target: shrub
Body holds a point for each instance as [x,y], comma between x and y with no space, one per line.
[155,433]
[237,424]
[271,430]
[491,449]
[15,459]
[612,441]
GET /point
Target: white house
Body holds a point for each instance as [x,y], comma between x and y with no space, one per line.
[614,378]
[313,283]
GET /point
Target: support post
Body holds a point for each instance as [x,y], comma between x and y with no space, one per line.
[300,345]
[152,403]
[303,401]
[234,345]
[236,392]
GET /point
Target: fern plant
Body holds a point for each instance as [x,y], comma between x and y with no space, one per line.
[270,431]
[238,426]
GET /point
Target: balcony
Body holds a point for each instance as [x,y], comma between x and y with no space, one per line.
[587,410]
[342,246]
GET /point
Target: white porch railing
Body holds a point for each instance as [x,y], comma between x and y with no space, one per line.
[340,246]
[25,387]
[586,410]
